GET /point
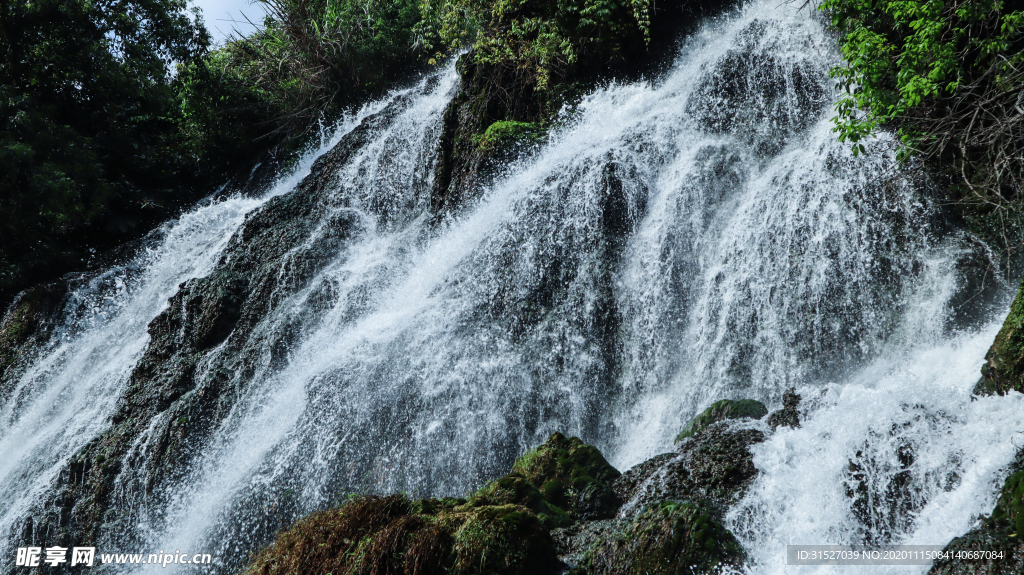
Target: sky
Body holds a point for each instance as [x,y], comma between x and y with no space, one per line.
[222,17]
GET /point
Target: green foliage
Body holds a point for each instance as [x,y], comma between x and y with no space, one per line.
[224,117]
[313,57]
[538,38]
[99,136]
[946,73]
[86,119]
[1009,511]
[505,133]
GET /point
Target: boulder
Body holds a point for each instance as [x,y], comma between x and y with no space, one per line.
[722,410]
[562,480]
[395,535]
[670,538]
[1002,531]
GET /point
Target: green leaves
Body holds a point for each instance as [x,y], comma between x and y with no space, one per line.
[903,56]
[87,116]
[539,36]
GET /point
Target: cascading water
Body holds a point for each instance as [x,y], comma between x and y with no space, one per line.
[66,396]
[671,244]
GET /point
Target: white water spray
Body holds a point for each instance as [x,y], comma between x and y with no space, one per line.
[671,244]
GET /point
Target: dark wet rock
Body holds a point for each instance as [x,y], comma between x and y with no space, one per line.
[489,96]
[1010,563]
[1004,363]
[883,494]
[395,535]
[713,467]
[761,98]
[1001,532]
[979,287]
[722,410]
[170,402]
[26,326]
[672,537]
[574,541]
[562,480]
[788,416]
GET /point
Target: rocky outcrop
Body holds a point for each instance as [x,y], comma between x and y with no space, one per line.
[562,481]
[722,410]
[27,325]
[395,535]
[561,509]
[674,503]
[669,538]
[788,416]
[1004,363]
[219,312]
[1001,532]
[1003,529]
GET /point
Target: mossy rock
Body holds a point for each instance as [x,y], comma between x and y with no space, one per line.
[29,321]
[713,468]
[722,410]
[1002,531]
[561,480]
[505,134]
[1008,514]
[398,536]
[1004,363]
[670,538]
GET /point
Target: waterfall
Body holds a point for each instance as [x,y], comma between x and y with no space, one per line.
[673,242]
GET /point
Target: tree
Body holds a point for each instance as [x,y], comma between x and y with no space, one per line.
[88,133]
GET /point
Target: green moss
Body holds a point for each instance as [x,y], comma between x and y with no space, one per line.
[1004,363]
[670,538]
[395,535]
[1008,514]
[722,410]
[561,480]
[28,319]
[504,134]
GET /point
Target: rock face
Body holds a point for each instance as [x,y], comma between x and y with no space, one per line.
[395,535]
[562,481]
[200,317]
[560,510]
[788,416]
[712,467]
[1004,362]
[722,410]
[28,324]
[672,537]
[673,504]
[1001,531]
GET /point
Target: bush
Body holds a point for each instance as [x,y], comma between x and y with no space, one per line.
[314,57]
[88,139]
[948,75]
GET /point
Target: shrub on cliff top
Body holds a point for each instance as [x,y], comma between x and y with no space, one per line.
[539,39]
[948,74]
